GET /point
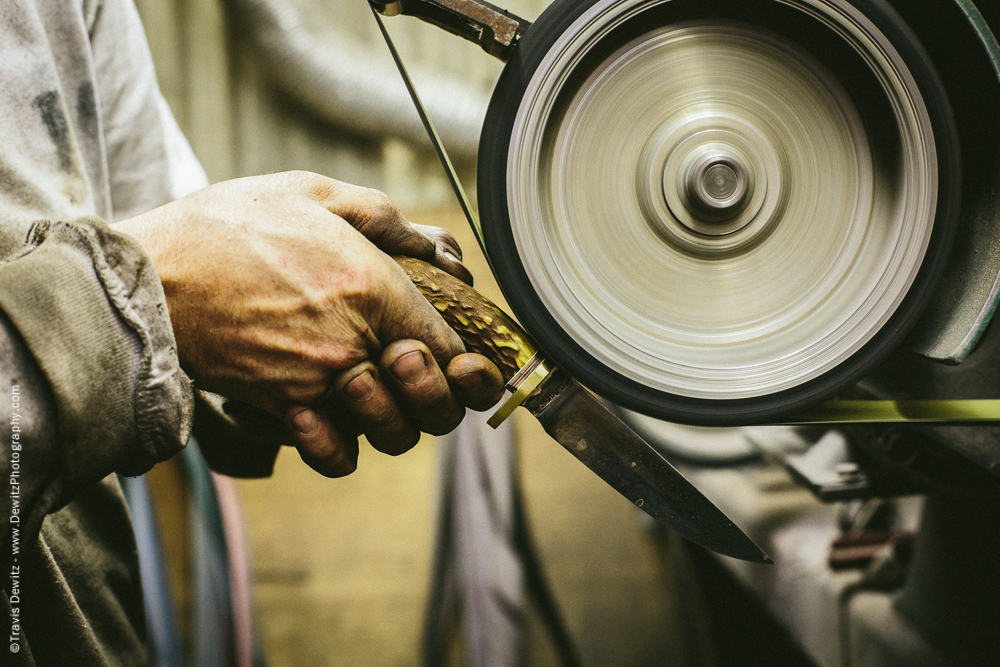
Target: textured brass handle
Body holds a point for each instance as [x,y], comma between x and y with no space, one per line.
[482,326]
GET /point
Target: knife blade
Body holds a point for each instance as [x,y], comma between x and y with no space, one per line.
[599,440]
[578,421]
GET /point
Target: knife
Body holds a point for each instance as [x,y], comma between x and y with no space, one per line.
[576,419]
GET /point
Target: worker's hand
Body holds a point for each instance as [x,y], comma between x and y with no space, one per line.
[282,296]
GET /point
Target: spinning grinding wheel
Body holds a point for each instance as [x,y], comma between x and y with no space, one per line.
[718,212]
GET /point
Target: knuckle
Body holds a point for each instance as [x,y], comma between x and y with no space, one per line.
[356,278]
[380,206]
[309,182]
[430,394]
[341,467]
[452,344]
[382,414]
[399,348]
[375,409]
[400,443]
[449,239]
[343,357]
[378,214]
[447,421]
[342,460]
[304,395]
[343,463]
[344,381]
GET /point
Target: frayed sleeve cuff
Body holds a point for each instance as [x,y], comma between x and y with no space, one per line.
[88,303]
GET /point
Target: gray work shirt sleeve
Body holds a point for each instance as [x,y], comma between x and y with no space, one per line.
[88,305]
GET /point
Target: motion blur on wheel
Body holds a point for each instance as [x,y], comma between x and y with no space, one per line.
[717,212]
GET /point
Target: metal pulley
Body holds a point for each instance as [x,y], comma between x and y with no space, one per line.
[713,212]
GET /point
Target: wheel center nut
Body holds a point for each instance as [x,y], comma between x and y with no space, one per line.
[709,184]
[720,181]
[716,186]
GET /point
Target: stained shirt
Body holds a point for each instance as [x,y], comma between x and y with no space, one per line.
[90,382]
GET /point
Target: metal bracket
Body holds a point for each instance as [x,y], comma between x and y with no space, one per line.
[496,30]
[827,470]
[524,382]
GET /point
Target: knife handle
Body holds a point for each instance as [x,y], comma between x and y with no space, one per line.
[483,327]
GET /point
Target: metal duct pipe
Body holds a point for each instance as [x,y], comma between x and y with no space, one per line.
[345,82]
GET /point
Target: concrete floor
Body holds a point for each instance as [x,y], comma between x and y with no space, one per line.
[342,566]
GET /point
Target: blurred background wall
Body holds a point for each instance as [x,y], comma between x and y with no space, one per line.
[222,89]
[342,566]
